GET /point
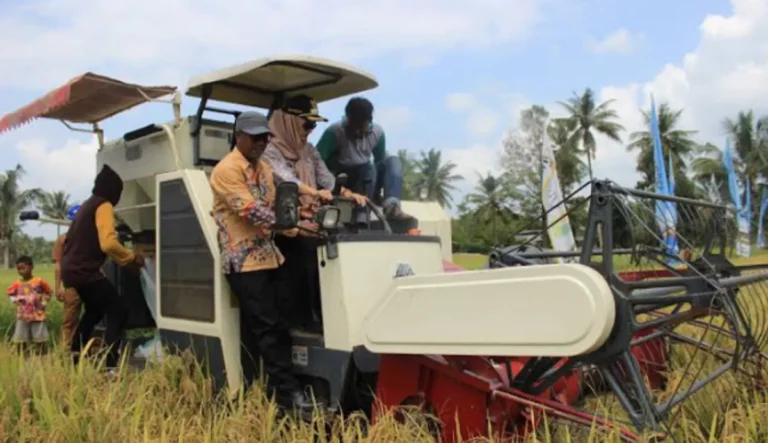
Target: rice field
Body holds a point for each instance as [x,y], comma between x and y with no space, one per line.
[46,399]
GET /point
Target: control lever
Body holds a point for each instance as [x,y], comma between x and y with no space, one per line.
[341,181]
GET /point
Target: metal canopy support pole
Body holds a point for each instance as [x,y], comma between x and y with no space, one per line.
[99,135]
[95,129]
[175,101]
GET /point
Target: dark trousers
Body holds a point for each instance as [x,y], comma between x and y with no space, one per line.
[300,283]
[264,334]
[98,299]
[385,177]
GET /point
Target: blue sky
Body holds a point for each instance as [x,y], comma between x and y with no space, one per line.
[452,76]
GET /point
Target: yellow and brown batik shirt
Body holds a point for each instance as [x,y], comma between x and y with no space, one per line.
[243,198]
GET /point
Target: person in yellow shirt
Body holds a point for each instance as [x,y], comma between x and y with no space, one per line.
[92,238]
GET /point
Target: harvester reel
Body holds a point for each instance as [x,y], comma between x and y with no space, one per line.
[684,317]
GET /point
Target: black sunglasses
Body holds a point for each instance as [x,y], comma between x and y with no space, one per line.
[261,138]
[309,125]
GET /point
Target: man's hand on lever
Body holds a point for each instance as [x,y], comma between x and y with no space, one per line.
[325,195]
[308,228]
[290,232]
[322,194]
[359,199]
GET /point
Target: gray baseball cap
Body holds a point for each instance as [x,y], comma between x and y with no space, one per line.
[252,123]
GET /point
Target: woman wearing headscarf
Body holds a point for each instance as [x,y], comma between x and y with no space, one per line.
[92,238]
[293,158]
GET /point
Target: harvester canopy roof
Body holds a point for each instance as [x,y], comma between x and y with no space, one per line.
[88,98]
[259,82]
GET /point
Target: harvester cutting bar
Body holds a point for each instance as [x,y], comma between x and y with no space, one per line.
[471,396]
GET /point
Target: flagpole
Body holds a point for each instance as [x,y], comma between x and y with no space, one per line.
[544,223]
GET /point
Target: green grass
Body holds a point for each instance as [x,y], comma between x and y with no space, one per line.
[470,261]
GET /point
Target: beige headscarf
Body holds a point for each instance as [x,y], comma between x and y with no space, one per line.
[286,137]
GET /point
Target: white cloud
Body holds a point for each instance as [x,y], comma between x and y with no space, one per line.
[487,117]
[46,41]
[482,119]
[621,41]
[747,14]
[71,167]
[460,101]
[482,122]
[477,159]
[417,61]
[394,118]
[725,73]
[488,113]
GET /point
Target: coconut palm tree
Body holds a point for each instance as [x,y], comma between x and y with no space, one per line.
[409,175]
[591,119]
[490,200]
[436,177]
[678,142]
[55,205]
[570,168]
[13,200]
[749,136]
[708,167]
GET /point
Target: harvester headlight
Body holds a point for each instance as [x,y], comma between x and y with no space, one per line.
[328,217]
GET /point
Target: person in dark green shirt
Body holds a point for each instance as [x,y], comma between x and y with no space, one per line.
[357,147]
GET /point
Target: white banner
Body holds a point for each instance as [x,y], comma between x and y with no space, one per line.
[560,233]
[743,245]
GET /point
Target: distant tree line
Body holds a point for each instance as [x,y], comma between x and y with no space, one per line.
[13,200]
[501,205]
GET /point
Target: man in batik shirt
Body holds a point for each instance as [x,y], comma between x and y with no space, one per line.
[243,198]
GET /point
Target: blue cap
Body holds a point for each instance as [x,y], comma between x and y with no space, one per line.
[72,211]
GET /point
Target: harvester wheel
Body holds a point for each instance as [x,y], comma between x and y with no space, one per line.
[415,406]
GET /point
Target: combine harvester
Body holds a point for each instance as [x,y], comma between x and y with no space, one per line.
[490,352]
